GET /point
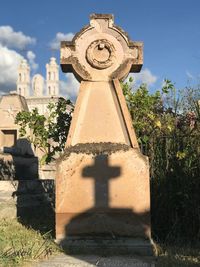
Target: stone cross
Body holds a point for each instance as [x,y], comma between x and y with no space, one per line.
[101,51]
[100,56]
[102,173]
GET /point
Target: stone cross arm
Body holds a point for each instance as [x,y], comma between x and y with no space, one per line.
[101,51]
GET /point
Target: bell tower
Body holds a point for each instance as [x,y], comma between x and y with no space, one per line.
[52,78]
[23,80]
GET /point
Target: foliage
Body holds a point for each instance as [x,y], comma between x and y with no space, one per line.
[19,244]
[48,133]
[167,124]
[178,256]
[144,109]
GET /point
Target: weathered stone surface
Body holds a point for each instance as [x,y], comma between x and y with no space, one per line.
[47,171]
[93,260]
[27,169]
[102,182]
[10,105]
[103,201]
[101,115]
[19,168]
[101,51]
[103,194]
[19,197]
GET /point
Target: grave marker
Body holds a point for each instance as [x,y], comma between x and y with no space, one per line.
[112,214]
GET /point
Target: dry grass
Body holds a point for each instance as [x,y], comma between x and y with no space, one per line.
[177,256]
[19,244]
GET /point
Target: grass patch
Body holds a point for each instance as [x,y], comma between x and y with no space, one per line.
[19,244]
[176,256]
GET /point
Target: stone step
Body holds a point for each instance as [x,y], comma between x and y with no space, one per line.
[92,260]
[107,246]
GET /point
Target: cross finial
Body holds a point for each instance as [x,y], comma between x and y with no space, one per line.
[101,51]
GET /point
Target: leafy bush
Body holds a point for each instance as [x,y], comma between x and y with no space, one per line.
[48,133]
[167,126]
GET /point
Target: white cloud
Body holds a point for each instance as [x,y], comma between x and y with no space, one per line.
[69,88]
[145,76]
[10,59]
[12,39]
[9,62]
[31,59]
[55,43]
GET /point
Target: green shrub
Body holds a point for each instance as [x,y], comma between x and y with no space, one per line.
[167,126]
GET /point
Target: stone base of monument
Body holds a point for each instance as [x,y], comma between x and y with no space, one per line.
[103,200]
[107,246]
[95,260]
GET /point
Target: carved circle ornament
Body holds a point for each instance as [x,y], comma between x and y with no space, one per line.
[100,54]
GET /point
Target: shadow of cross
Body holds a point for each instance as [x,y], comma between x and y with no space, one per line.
[102,173]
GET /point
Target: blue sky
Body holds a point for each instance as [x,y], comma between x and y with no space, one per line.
[169,29]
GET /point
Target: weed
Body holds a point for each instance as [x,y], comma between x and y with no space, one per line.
[19,244]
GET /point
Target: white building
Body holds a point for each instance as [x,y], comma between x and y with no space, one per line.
[43,91]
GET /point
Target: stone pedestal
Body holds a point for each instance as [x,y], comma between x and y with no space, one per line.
[103,199]
[102,181]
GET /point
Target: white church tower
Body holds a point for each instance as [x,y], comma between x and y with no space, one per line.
[37,85]
[52,78]
[23,80]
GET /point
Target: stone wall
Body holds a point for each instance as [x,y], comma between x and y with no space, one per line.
[27,199]
[8,171]
[25,194]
